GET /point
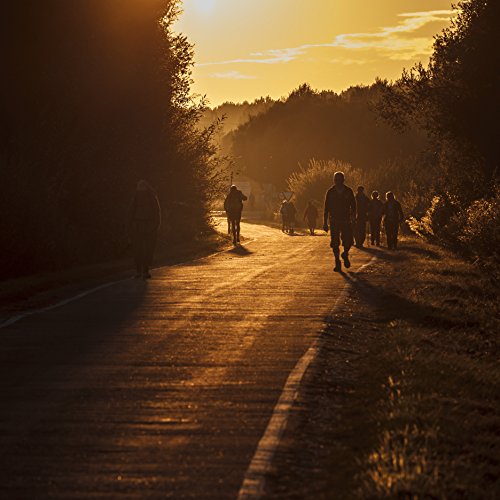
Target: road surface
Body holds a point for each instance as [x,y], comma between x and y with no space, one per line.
[161,389]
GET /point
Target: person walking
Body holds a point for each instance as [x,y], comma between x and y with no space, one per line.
[233,205]
[362,208]
[311,216]
[339,214]
[144,220]
[393,217]
[284,216]
[375,213]
[291,215]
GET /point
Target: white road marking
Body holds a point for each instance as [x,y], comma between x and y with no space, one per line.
[255,476]
[14,319]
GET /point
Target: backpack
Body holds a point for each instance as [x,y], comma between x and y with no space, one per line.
[233,201]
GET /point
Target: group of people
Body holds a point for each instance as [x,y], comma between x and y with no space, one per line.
[373,211]
[288,214]
[345,216]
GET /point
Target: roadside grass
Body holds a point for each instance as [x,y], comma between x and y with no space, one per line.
[404,400]
[438,412]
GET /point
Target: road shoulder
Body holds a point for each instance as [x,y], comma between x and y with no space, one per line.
[403,398]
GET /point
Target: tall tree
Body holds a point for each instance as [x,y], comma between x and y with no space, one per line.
[95,96]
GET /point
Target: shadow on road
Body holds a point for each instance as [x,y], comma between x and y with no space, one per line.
[241,251]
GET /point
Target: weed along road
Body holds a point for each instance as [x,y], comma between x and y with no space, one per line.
[162,388]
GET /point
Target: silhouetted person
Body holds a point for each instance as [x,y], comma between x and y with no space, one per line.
[284,216]
[143,224]
[233,205]
[291,215]
[340,212]
[362,208]
[393,217]
[375,214]
[311,216]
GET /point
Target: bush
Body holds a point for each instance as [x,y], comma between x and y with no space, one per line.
[311,183]
[481,230]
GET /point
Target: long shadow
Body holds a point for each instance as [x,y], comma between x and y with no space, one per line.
[401,253]
[426,252]
[384,253]
[393,306]
[241,251]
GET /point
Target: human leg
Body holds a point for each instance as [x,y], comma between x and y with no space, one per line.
[375,231]
[390,229]
[347,242]
[360,233]
[148,252]
[312,225]
[238,229]
[335,232]
[395,236]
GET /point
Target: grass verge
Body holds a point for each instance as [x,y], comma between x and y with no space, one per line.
[404,400]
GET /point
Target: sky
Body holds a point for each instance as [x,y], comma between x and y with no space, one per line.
[246,49]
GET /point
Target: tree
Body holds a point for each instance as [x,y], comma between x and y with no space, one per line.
[322,125]
[95,96]
[456,100]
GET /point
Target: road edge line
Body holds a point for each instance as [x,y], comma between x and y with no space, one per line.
[14,319]
[254,480]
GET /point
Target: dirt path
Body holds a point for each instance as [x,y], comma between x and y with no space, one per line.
[162,388]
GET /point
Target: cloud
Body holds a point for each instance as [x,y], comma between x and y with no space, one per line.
[233,75]
[400,42]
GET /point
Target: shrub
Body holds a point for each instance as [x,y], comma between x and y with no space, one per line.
[312,182]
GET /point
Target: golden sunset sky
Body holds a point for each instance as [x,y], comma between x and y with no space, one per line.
[245,49]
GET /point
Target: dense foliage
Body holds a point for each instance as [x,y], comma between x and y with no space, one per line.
[322,125]
[95,95]
[456,100]
[311,183]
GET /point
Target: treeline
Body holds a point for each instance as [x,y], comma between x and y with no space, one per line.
[95,96]
[456,101]
[321,125]
[232,115]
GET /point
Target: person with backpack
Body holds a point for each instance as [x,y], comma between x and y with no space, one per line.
[311,216]
[339,215]
[375,213]
[144,220]
[233,205]
[393,217]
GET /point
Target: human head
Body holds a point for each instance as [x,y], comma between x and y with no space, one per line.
[361,189]
[375,195]
[233,188]
[339,178]
[389,195]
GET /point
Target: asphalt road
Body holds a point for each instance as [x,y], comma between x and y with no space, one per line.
[161,389]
